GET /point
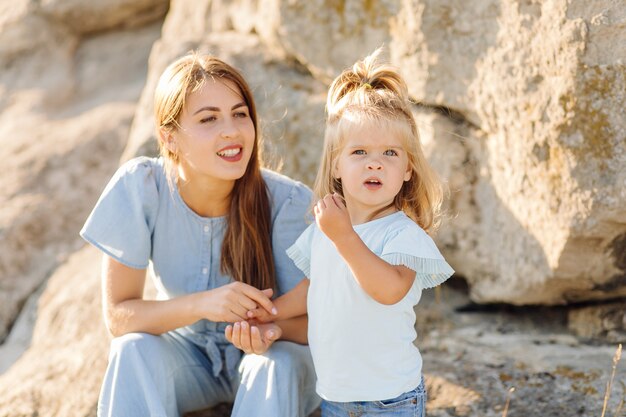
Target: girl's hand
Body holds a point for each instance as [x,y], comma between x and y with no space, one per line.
[332,217]
[231,302]
[252,338]
[259,315]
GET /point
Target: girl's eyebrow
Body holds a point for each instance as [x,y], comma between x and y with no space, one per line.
[217,109]
[378,146]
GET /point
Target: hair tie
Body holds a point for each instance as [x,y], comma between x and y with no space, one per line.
[367,86]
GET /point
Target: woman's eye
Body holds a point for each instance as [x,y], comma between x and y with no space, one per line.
[358,152]
[208,119]
[241,115]
[390,152]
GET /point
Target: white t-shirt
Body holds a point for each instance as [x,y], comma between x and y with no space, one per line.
[363,350]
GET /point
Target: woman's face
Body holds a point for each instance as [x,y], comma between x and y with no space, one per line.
[216,135]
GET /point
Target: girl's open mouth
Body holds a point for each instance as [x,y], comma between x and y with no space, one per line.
[373,184]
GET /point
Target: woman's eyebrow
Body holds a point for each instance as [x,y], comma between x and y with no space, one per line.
[211,108]
[206,108]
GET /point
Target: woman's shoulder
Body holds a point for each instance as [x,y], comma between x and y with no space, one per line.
[282,188]
[141,165]
[141,172]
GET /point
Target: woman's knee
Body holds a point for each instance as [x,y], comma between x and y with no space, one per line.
[132,344]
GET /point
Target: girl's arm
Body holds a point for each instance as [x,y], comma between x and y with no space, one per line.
[258,338]
[126,311]
[289,323]
[384,282]
[289,305]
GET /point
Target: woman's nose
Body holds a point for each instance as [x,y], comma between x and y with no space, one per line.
[229,129]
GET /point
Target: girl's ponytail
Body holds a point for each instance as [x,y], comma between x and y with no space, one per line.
[368,77]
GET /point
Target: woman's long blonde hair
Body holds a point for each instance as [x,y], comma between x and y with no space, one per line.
[247,245]
[374,93]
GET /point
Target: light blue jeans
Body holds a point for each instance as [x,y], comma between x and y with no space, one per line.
[167,375]
[409,404]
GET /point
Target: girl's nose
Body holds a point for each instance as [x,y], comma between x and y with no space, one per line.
[374,164]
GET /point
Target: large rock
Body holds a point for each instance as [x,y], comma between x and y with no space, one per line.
[544,86]
[541,86]
[86,17]
[61,373]
[552,209]
[521,114]
[66,106]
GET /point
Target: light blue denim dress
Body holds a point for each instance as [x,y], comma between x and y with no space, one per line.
[140,222]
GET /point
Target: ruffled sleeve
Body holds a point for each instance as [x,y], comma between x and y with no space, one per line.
[122,221]
[413,248]
[300,252]
[292,218]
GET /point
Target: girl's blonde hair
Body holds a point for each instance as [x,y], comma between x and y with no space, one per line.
[375,93]
[247,245]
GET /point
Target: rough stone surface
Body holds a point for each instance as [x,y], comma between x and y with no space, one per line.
[520,112]
[541,87]
[61,373]
[605,321]
[66,107]
[88,17]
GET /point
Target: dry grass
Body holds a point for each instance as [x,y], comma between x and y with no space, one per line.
[609,384]
[508,400]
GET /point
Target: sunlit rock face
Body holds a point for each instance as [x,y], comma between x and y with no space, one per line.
[536,93]
[520,111]
[71,75]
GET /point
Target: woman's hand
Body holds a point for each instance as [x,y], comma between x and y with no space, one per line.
[252,338]
[231,302]
[331,216]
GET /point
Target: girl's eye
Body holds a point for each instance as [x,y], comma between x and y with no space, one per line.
[358,152]
[390,152]
[241,115]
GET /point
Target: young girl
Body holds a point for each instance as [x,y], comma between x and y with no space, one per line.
[368,256]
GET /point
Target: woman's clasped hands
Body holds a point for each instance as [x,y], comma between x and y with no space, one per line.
[231,303]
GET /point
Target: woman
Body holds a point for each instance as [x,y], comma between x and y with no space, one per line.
[213,228]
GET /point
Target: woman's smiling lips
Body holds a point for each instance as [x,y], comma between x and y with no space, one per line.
[231,153]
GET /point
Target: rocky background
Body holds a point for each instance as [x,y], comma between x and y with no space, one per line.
[520,105]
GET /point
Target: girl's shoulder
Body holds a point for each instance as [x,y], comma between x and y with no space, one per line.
[402,227]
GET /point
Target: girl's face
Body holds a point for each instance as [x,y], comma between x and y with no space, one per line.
[372,166]
[216,135]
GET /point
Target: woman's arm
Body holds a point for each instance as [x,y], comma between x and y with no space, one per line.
[384,282]
[126,311]
[289,305]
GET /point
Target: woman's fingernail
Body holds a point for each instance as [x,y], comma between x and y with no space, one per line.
[274,311]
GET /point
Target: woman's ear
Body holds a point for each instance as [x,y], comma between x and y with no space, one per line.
[168,140]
